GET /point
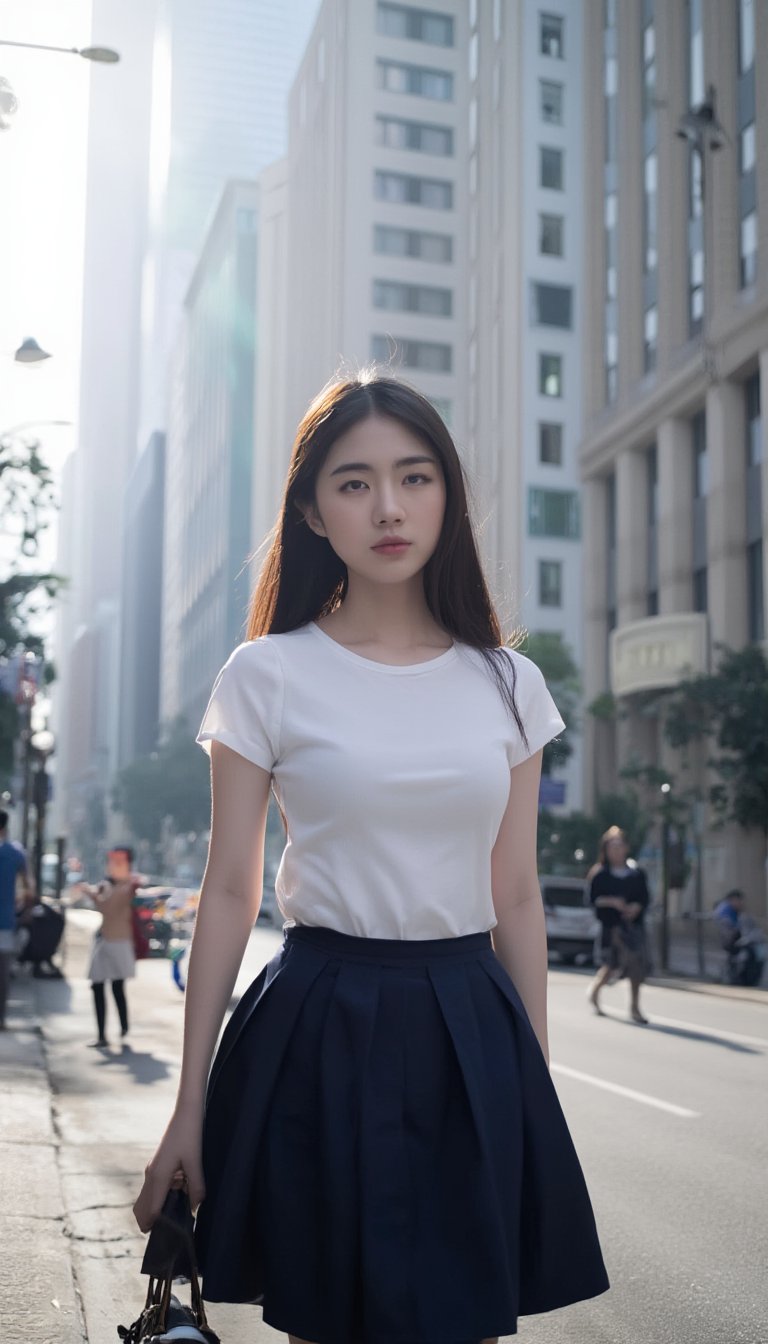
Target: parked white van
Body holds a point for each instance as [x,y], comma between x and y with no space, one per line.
[572,926]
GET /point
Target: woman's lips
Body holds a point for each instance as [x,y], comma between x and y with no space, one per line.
[391,547]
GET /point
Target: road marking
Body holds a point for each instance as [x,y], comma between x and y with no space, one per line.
[629,1092]
[711,1031]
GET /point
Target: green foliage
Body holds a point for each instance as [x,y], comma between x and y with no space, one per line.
[568,846]
[549,651]
[729,710]
[171,782]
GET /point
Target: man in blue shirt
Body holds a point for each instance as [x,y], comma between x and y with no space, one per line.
[13,863]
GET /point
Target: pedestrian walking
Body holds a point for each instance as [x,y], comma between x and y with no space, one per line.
[112,958]
[619,894]
[381,1155]
[13,866]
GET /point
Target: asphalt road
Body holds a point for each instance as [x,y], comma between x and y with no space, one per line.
[670,1121]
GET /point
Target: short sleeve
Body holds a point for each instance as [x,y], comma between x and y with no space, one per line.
[245,707]
[537,710]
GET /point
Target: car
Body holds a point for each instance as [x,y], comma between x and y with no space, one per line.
[572,926]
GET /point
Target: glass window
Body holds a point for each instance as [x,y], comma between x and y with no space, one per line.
[404,189]
[552,36]
[650,212]
[429,356]
[398,296]
[397,242]
[550,444]
[551,100]
[695,54]
[553,513]
[550,583]
[754,421]
[699,586]
[444,408]
[552,305]
[420,25]
[551,228]
[700,462]
[746,34]
[748,266]
[747,148]
[550,375]
[397,77]
[396,133]
[650,338]
[755,593]
[551,168]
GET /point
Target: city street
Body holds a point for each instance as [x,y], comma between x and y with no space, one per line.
[669,1121]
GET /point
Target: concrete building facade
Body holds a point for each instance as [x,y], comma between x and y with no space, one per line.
[676,341]
[525,250]
[368,212]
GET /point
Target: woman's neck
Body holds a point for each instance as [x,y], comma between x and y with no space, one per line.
[392,616]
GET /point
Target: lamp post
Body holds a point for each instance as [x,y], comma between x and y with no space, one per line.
[103,55]
[42,744]
[29,352]
[666,790]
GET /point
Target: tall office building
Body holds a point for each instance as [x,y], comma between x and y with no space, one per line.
[209,453]
[524,352]
[369,212]
[676,342]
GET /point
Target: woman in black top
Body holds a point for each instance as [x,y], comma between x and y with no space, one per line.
[619,894]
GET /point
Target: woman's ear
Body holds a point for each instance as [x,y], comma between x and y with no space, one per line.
[312,518]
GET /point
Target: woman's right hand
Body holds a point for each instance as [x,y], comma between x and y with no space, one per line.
[176,1163]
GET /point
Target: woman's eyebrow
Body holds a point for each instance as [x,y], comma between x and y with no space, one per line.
[366,466]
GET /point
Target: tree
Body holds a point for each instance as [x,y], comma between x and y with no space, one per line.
[569,845]
[729,710]
[171,782]
[549,651]
[27,501]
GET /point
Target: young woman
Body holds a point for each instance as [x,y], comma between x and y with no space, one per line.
[382,1156]
[620,897]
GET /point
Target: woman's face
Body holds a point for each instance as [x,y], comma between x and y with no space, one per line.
[617,851]
[380,483]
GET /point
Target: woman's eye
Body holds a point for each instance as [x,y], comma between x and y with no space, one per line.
[417,476]
[350,487]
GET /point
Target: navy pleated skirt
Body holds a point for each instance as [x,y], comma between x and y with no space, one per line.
[386,1160]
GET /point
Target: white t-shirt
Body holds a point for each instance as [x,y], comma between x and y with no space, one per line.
[393,780]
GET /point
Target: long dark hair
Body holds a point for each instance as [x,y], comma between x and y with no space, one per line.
[302,577]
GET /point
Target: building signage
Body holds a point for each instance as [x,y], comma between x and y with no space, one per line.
[658,652]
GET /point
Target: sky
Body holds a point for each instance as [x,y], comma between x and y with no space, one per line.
[42,184]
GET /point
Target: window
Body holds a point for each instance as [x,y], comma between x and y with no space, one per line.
[551,168]
[551,229]
[748,260]
[396,296]
[652,575]
[395,242]
[552,305]
[551,375]
[552,36]
[420,25]
[404,189]
[700,460]
[755,593]
[700,491]
[444,408]
[551,444]
[551,97]
[553,513]
[396,133]
[396,77]
[428,356]
[747,156]
[550,583]
[754,421]
[746,35]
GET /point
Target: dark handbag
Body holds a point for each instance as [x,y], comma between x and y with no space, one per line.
[170,1254]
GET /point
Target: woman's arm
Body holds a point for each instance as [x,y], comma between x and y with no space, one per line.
[229,903]
[520,937]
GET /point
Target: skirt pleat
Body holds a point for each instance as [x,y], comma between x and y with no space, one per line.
[385,1157]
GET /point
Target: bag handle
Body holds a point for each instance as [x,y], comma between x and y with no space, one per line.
[169,1254]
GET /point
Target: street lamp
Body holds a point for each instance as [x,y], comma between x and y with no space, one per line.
[665,790]
[42,744]
[29,352]
[103,55]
